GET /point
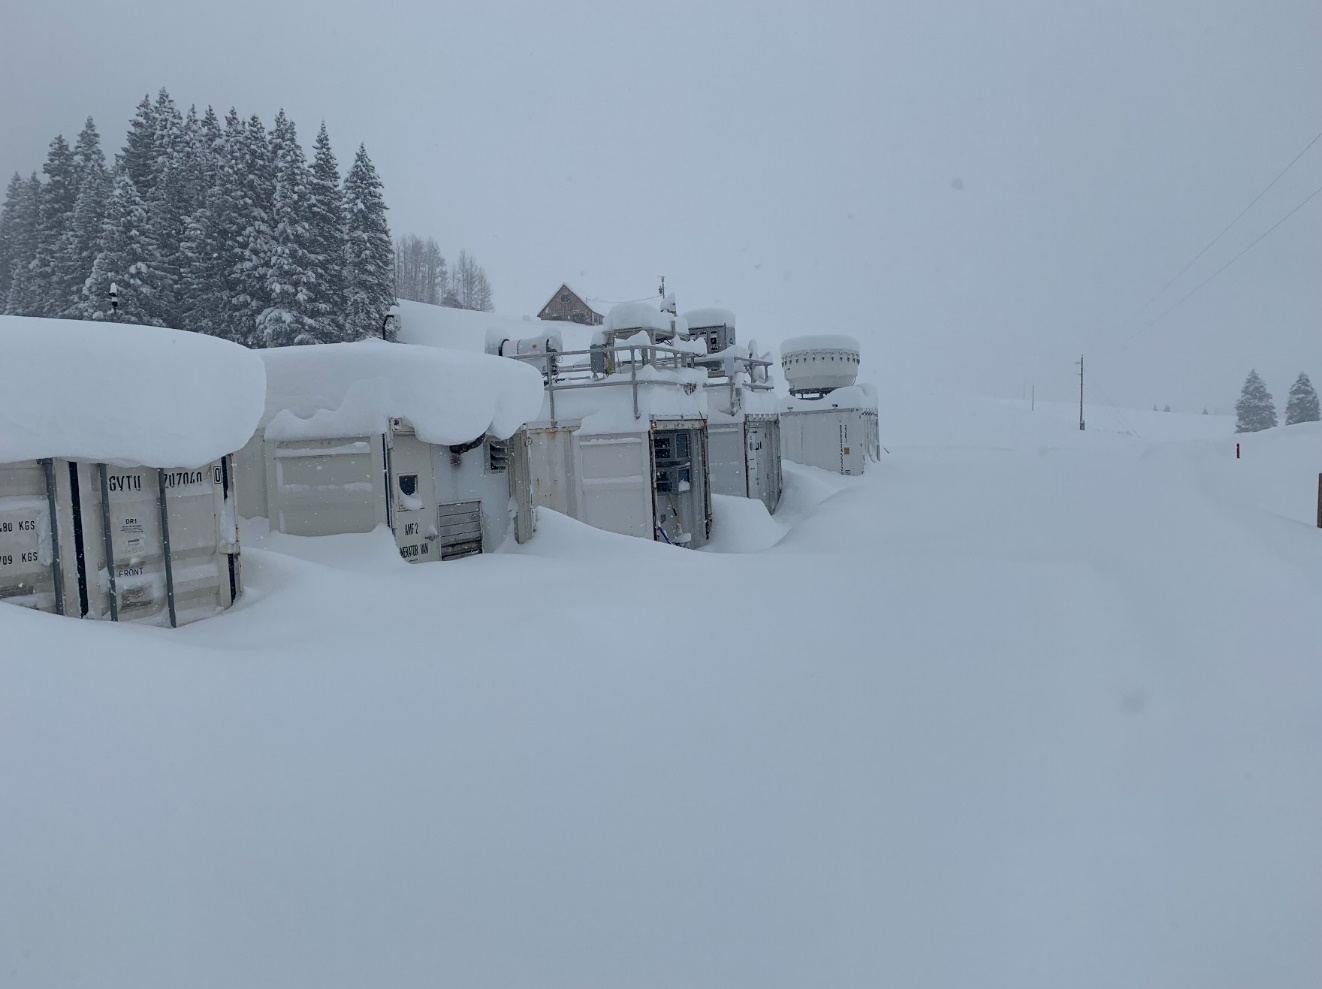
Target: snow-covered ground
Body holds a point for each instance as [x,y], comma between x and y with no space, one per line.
[1023,706]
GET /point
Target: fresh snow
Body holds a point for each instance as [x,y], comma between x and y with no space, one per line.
[351,389]
[125,394]
[819,341]
[642,316]
[1023,706]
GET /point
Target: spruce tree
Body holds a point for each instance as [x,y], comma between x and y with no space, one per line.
[83,243]
[1302,405]
[1255,410]
[139,154]
[291,280]
[202,262]
[123,260]
[327,239]
[169,205]
[8,214]
[24,291]
[369,252]
[254,243]
[58,196]
[82,239]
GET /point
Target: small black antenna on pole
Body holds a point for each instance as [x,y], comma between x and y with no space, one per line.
[662,290]
[1081,422]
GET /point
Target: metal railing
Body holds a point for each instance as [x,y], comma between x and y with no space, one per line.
[599,367]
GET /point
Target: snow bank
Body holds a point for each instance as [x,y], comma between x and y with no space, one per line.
[819,341]
[120,393]
[349,389]
[701,319]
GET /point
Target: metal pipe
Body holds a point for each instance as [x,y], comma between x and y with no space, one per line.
[165,547]
[49,468]
[108,541]
[633,380]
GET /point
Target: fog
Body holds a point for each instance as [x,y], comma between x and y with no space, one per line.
[979,192]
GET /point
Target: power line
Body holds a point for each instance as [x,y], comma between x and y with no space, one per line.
[1162,315]
[1224,229]
[621,302]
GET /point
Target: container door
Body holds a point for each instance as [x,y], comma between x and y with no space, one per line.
[202,541]
[324,487]
[616,483]
[552,469]
[728,469]
[30,550]
[762,462]
[520,480]
[413,499]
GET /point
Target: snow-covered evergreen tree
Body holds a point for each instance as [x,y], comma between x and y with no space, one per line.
[1255,410]
[169,205]
[291,280]
[1165,408]
[253,244]
[82,239]
[58,195]
[139,154]
[325,215]
[202,263]
[24,297]
[369,251]
[8,213]
[1302,405]
[124,260]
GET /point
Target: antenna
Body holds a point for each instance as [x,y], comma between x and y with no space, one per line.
[1081,423]
[662,290]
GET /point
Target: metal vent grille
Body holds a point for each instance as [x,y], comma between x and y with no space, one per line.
[498,456]
[460,528]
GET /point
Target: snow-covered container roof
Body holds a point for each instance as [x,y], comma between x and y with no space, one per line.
[125,394]
[702,318]
[638,316]
[351,389]
[820,341]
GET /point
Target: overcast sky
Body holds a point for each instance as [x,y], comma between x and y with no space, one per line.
[978,191]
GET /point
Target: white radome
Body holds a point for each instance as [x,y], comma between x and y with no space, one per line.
[819,364]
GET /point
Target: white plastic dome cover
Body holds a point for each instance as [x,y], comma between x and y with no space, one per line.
[125,394]
[349,389]
[820,341]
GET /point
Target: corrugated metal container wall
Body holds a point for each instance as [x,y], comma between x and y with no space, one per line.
[38,561]
[162,567]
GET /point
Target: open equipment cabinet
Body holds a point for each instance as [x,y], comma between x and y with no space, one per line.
[141,544]
[653,483]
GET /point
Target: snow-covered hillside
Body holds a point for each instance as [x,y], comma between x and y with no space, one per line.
[1023,706]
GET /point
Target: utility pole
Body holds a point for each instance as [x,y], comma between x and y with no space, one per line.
[1081,423]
